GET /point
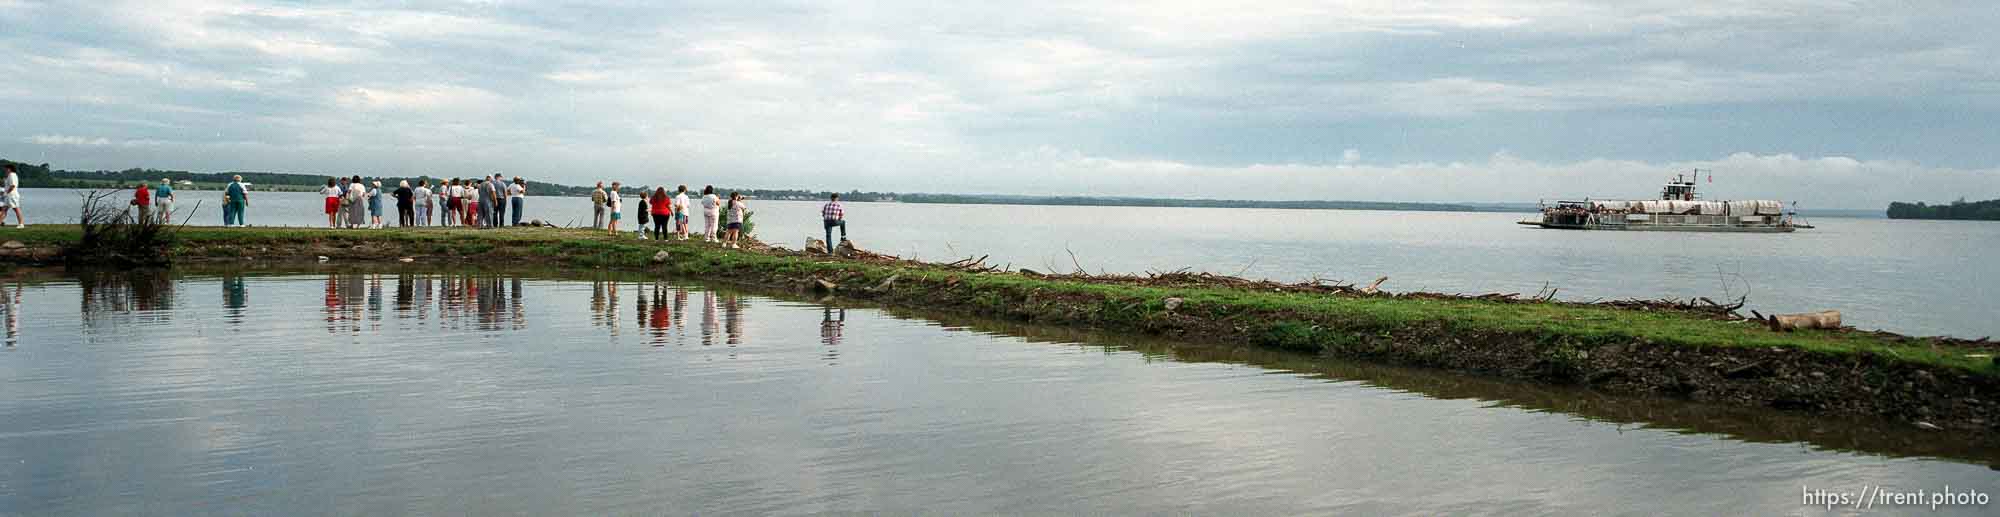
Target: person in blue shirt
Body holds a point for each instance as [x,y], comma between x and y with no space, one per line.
[235,200]
[163,200]
[375,205]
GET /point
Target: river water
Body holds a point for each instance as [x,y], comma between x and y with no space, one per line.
[396,391]
[1914,277]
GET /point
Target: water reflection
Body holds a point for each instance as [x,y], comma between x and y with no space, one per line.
[352,303]
[148,296]
[235,298]
[830,328]
[10,303]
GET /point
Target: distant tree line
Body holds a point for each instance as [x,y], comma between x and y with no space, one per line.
[41,176]
[1988,210]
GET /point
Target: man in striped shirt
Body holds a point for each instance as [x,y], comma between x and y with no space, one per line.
[834,215]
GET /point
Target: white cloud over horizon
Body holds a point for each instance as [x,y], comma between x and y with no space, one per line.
[1846,104]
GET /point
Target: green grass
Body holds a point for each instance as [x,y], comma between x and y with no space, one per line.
[1280,319]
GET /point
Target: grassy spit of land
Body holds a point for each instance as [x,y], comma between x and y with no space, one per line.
[1947,384]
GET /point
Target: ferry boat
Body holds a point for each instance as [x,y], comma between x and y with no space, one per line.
[1679,208]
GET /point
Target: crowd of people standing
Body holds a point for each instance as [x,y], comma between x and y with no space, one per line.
[671,214]
[484,202]
[481,202]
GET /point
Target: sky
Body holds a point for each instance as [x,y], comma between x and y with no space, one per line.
[1832,104]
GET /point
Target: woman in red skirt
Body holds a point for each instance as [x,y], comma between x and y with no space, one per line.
[332,195]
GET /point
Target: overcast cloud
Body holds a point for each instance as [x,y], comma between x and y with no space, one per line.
[1835,104]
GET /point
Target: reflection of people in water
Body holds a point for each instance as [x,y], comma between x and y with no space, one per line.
[732,318]
[515,313]
[708,324]
[11,304]
[235,297]
[406,293]
[332,310]
[680,306]
[829,331]
[375,301]
[660,319]
[829,326]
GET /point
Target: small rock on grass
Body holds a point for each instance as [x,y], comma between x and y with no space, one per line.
[1173,303]
[13,245]
[661,257]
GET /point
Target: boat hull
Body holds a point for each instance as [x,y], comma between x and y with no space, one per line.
[1667,228]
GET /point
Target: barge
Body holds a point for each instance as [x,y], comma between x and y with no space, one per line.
[1679,208]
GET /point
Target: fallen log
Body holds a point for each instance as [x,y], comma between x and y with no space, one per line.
[1810,320]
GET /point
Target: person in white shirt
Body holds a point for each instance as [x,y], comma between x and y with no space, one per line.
[681,212]
[332,194]
[711,210]
[12,198]
[616,206]
[517,195]
[423,199]
[734,232]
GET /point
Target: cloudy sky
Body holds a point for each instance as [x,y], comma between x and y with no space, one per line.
[1835,104]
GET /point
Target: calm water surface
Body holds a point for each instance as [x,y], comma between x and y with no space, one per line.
[356,392]
[1917,277]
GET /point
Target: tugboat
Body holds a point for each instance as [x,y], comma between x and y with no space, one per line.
[1679,208]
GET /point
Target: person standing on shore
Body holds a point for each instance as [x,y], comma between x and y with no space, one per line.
[375,205]
[483,189]
[711,209]
[455,201]
[357,203]
[424,202]
[333,196]
[406,205]
[12,196]
[663,213]
[499,186]
[645,213]
[235,201]
[518,196]
[340,216]
[735,229]
[833,215]
[468,202]
[142,198]
[163,198]
[681,212]
[612,204]
[597,206]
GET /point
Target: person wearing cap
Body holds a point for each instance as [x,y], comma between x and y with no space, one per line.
[597,200]
[163,197]
[235,200]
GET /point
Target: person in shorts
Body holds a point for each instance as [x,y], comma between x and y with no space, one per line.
[12,198]
[614,205]
[735,229]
